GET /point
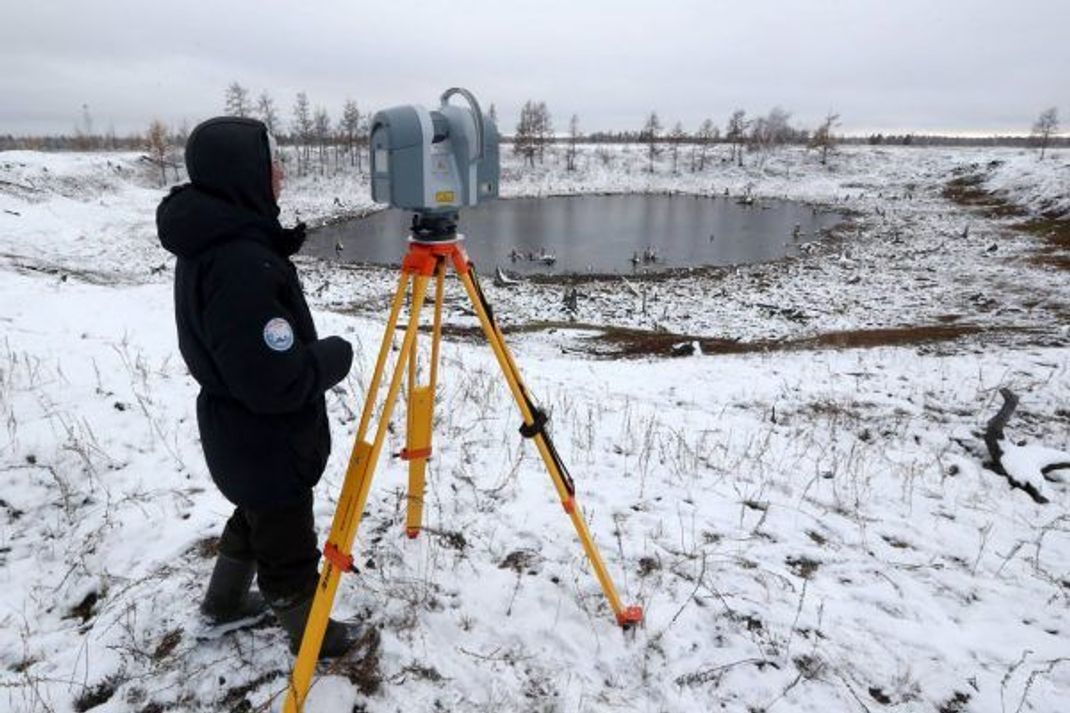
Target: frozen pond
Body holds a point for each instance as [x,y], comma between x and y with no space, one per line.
[596,234]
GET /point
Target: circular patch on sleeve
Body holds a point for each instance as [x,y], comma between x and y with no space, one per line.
[278,334]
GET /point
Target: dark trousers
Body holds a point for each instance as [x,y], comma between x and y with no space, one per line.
[282,541]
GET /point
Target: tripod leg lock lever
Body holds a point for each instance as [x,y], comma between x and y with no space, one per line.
[415,453]
[537,426]
[339,559]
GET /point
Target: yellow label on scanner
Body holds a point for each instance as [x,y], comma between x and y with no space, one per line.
[444,197]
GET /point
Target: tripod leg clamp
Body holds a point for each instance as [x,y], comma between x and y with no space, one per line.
[537,426]
[415,453]
[341,561]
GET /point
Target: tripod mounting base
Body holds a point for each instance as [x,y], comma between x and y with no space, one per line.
[434,226]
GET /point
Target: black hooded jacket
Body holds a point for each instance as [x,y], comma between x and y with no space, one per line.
[244,328]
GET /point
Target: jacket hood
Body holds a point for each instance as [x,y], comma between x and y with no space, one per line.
[230,158]
[190,221]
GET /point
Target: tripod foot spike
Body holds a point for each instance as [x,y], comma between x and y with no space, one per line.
[412,532]
[630,617]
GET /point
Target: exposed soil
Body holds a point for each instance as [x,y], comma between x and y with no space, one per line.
[624,342]
[1056,234]
[968,190]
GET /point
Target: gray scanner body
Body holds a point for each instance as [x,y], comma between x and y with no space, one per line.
[432,161]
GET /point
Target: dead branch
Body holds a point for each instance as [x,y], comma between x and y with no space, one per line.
[716,673]
[1052,467]
[993,436]
[994,429]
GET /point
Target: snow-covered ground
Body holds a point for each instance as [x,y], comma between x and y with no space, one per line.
[807,530]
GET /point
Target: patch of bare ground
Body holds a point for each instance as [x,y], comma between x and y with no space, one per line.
[634,343]
[1055,232]
[626,342]
[968,190]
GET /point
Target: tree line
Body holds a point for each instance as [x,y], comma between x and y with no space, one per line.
[761,134]
[319,143]
[758,135]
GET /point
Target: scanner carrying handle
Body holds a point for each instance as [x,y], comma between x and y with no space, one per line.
[476,111]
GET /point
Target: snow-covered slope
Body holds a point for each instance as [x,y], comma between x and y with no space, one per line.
[1041,186]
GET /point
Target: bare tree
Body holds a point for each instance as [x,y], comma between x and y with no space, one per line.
[265,110]
[84,138]
[544,128]
[350,127]
[157,145]
[676,137]
[87,120]
[525,140]
[321,128]
[364,132]
[301,131]
[823,137]
[736,132]
[236,100]
[649,136]
[1046,125]
[778,124]
[178,138]
[110,140]
[707,133]
[574,137]
[770,131]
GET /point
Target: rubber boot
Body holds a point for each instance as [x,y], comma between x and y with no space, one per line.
[339,637]
[228,598]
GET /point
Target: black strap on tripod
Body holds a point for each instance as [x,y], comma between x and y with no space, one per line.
[539,417]
[538,426]
[482,297]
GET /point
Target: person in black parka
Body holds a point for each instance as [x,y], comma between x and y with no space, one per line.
[247,336]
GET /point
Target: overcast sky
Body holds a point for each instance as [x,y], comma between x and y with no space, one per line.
[921,65]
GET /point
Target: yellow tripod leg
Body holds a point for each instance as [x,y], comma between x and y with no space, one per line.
[417,451]
[354,497]
[420,415]
[533,425]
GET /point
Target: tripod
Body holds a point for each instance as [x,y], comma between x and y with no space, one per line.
[427,259]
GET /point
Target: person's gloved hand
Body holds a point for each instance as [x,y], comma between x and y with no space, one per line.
[293,238]
[334,357]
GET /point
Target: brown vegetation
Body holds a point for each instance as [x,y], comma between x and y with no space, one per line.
[968,190]
[626,342]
